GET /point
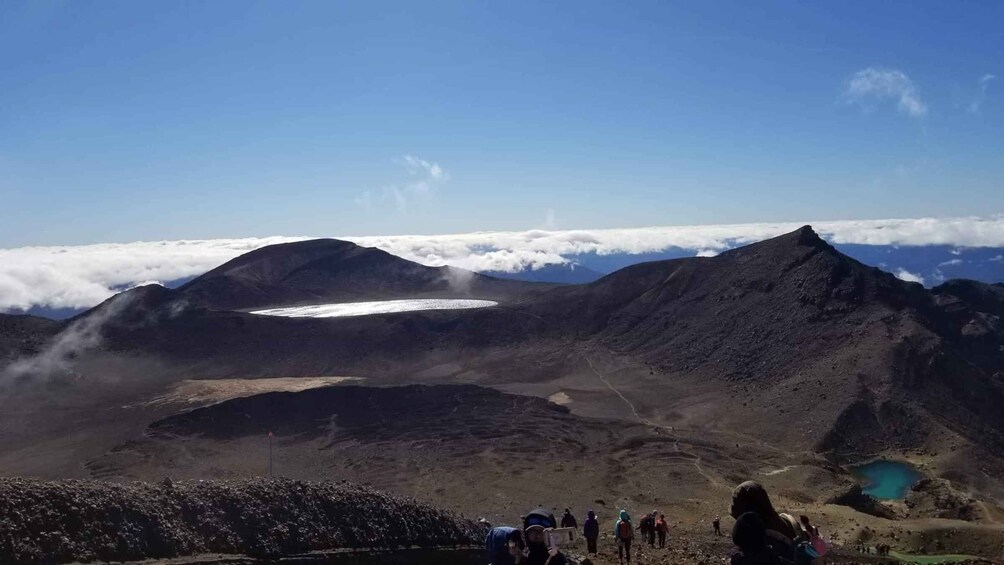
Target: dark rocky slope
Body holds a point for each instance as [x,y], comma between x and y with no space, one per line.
[24,335]
[68,521]
[813,339]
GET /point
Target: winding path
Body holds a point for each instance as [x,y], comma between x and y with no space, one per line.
[618,393]
[696,459]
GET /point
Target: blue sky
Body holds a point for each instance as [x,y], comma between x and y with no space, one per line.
[122,121]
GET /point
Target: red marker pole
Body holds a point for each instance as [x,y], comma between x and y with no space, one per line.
[270,455]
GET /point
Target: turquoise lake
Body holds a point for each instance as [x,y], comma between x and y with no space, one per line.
[887,480]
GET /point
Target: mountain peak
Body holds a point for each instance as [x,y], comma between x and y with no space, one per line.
[805,236]
[791,245]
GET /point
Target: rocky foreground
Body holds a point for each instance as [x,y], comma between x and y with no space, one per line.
[71,521]
[711,551]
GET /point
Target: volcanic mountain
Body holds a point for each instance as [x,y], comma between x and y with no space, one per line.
[781,355]
[330,270]
[823,349]
[808,346]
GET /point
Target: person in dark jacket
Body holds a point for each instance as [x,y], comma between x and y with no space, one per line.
[538,553]
[505,546]
[650,530]
[750,496]
[568,521]
[750,536]
[781,529]
[591,531]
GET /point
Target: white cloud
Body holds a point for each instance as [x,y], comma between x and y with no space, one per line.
[873,84]
[82,276]
[950,263]
[981,93]
[907,276]
[432,170]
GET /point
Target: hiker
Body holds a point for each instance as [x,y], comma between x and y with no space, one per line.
[591,531]
[568,521]
[505,546]
[750,536]
[535,528]
[716,524]
[651,528]
[624,533]
[781,529]
[806,527]
[810,534]
[644,527]
[662,528]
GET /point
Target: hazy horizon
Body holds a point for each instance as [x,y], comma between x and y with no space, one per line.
[84,275]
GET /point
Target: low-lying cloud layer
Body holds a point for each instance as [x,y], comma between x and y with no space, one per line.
[82,276]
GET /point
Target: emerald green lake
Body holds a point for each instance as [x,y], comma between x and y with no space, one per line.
[887,480]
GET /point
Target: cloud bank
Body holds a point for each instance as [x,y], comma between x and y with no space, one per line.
[85,275]
[82,276]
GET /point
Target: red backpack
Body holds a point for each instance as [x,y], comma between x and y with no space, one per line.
[624,530]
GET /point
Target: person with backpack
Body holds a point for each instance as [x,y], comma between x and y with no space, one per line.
[535,527]
[591,531]
[781,529]
[662,528]
[624,533]
[810,534]
[647,527]
[505,546]
[568,521]
[749,534]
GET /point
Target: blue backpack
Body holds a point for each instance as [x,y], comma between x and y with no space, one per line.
[805,554]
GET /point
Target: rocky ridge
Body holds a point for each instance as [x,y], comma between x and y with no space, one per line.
[68,521]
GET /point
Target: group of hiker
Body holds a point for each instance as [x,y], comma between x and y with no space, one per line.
[527,546]
[531,545]
[650,526]
[762,536]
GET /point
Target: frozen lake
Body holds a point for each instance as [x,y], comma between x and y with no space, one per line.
[378,307]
